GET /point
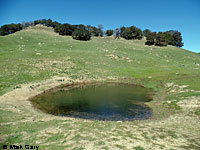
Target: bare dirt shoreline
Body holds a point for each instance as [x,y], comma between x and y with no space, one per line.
[178,131]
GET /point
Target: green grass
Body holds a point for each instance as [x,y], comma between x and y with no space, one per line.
[139,148]
[197,112]
[38,54]
[63,56]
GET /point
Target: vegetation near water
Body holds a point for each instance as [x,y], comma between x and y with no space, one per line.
[38,53]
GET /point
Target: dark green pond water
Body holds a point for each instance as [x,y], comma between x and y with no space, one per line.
[108,102]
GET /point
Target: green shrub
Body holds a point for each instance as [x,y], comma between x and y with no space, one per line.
[81,34]
[146,32]
[170,38]
[197,112]
[151,37]
[178,39]
[161,39]
[109,32]
[131,33]
[10,28]
[64,29]
[139,148]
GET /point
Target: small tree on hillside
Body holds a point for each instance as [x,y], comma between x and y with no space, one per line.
[139,33]
[64,29]
[10,28]
[146,32]
[49,23]
[81,34]
[178,39]
[3,32]
[79,26]
[132,33]
[95,31]
[55,24]
[42,22]
[151,38]
[169,37]
[161,39]
[122,30]
[100,30]
[127,34]
[109,32]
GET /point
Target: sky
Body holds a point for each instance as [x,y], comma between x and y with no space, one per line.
[156,15]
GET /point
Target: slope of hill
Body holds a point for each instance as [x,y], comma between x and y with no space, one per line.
[36,54]
[39,53]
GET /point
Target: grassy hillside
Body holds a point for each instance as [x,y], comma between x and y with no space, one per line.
[36,54]
[39,53]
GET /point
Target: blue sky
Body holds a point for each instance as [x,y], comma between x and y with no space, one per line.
[156,15]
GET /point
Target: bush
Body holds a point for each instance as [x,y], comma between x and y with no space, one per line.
[64,29]
[10,28]
[75,27]
[122,30]
[3,32]
[169,37]
[81,34]
[94,32]
[132,33]
[146,32]
[127,34]
[55,24]
[161,39]
[109,32]
[151,38]
[42,22]
[48,23]
[174,38]
[178,39]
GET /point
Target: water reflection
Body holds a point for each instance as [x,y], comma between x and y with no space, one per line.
[108,102]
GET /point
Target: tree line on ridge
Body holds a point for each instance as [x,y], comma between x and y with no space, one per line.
[85,32]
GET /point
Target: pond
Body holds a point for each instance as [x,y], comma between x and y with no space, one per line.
[99,101]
